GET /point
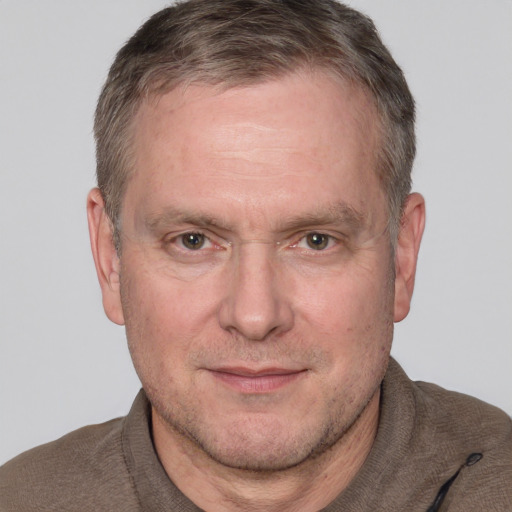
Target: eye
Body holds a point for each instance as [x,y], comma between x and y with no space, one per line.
[316,241]
[193,241]
[192,246]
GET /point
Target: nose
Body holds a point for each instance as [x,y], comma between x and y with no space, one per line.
[255,305]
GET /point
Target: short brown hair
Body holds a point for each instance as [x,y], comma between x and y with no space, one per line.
[245,42]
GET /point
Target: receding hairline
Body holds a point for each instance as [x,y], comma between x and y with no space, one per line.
[232,43]
[154,93]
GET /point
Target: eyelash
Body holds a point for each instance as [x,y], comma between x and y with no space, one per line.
[331,240]
[178,241]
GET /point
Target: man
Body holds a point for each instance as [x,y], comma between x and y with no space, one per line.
[254,231]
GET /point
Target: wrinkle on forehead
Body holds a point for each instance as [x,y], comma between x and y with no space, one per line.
[234,124]
[339,214]
[268,151]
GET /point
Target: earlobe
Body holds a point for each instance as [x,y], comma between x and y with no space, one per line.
[105,256]
[406,254]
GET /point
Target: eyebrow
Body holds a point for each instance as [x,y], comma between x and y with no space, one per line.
[334,214]
[337,214]
[157,221]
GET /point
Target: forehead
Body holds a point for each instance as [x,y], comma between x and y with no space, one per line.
[280,139]
[311,104]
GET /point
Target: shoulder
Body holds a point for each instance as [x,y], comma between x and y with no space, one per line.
[459,426]
[85,466]
[439,443]
[462,419]
[442,418]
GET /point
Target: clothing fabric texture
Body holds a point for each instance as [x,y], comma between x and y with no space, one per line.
[435,450]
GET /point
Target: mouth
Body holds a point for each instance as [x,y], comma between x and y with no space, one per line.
[251,381]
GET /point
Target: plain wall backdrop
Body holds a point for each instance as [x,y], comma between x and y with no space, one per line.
[63,365]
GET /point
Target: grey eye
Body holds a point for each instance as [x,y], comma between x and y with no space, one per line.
[317,241]
[193,241]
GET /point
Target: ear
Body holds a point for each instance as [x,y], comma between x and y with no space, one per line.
[406,253]
[105,256]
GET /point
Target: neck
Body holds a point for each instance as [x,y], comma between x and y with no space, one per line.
[309,486]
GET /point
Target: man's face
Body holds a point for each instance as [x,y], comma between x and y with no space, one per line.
[256,271]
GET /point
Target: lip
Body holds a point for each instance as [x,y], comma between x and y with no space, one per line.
[252,381]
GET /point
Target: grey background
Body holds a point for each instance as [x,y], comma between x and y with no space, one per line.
[63,365]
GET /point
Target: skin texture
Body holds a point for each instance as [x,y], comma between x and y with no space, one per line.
[262,350]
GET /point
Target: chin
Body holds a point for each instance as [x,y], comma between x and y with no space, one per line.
[257,444]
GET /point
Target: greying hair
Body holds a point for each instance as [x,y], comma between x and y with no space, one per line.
[235,43]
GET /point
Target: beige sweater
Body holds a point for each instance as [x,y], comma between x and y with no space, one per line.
[434,450]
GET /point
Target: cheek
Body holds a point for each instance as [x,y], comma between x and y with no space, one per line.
[347,302]
[167,306]
[350,316]
[164,319]
[353,321]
